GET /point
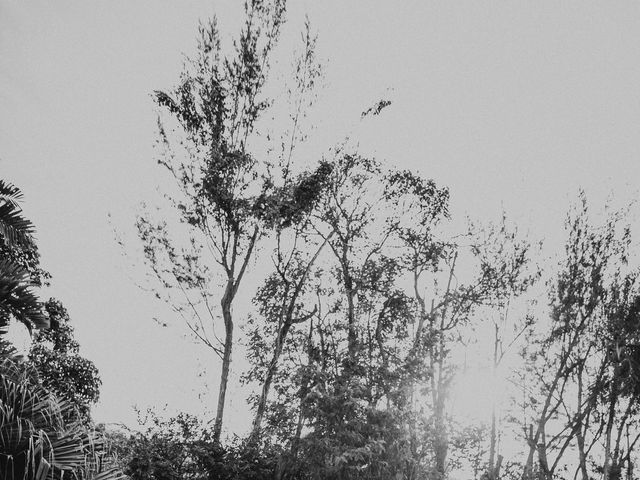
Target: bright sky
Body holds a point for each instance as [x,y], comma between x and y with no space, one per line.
[512,105]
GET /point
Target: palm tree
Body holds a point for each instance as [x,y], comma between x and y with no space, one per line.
[16,297]
[42,437]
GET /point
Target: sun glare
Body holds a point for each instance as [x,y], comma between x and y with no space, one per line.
[474,393]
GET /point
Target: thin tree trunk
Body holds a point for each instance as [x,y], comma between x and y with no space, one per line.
[629,462]
[441,440]
[582,456]
[264,394]
[613,398]
[545,472]
[492,445]
[496,470]
[442,437]
[286,321]
[295,443]
[226,302]
[351,318]
[233,282]
[533,439]
[527,473]
[266,386]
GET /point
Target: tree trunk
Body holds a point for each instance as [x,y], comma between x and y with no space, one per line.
[533,439]
[629,462]
[226,301]
[545,472]
[527,473]
[496,469]
[441,440]
[439,358]
[233,282]
[613,399]
[266,386]
[286,321]
[295,443]
[493,440]
[582,456]
[492,445]
[351,319]
[262,401]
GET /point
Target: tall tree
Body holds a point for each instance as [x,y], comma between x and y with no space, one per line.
[216,106]
[227,197]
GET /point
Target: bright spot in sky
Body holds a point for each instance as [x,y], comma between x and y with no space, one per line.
[474,392]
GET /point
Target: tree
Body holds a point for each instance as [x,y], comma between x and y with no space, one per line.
[55,355]
[618,388]
[453,283]
[216,106]
[348,366]
[227,198]
[571,360]
[372,354]
[280,303]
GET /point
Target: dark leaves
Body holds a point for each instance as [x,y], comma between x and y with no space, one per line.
[17,298]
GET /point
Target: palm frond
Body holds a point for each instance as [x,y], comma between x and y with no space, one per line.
[17,298]
[9,193]
[15,229]
[42,437]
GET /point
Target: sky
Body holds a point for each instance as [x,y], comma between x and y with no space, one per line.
[513,105]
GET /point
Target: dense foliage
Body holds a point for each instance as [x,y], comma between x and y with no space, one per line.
[43,437]
[183,447]
[45,430]
[55,355]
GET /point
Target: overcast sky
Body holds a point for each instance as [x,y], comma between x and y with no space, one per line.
[512,105]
